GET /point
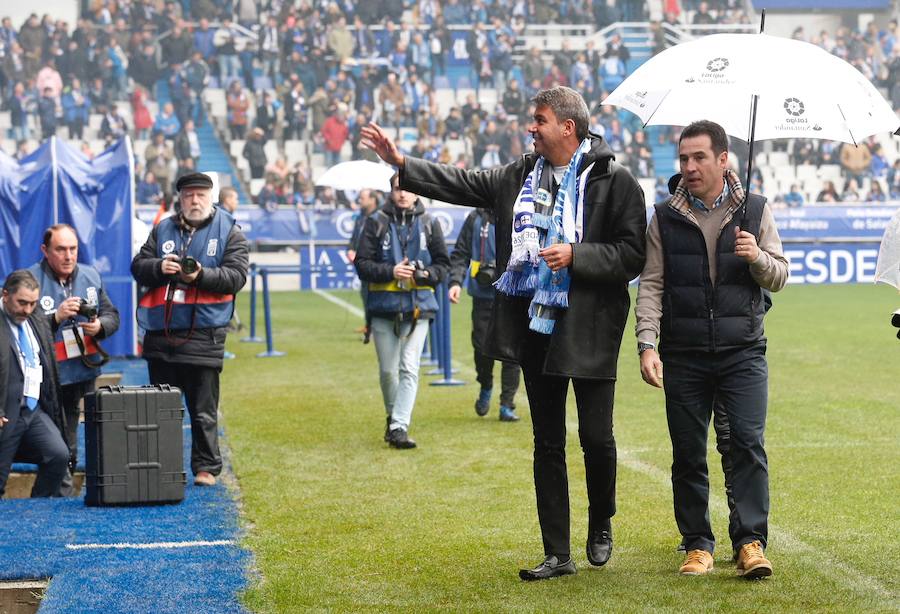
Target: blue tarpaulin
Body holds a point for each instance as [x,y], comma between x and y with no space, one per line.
[58,184]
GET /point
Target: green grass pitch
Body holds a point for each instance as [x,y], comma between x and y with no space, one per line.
[339,522]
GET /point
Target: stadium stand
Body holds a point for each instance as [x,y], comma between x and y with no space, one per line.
[309,74]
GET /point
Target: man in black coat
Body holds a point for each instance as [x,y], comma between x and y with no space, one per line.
[186,309]
[606,251]
[32,425]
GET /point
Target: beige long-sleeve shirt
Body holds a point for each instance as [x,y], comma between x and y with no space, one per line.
[769,270]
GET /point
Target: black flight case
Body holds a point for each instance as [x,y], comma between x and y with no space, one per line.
[134,445]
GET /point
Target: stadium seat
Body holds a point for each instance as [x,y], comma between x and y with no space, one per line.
[255,186]
[295,150]
[272,152]
[456,147]
[831,172]
[441,82]
[236,148]
[487,96]
[805,172]
[445,99]
[779,158]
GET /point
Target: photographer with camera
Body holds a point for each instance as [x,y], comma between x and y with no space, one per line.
[402,257]
[80,314]
[474,262]
[192,266]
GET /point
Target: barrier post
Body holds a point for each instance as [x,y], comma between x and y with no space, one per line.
[270,342]
[252,338]
[436,337]
[429,355]
[446,358]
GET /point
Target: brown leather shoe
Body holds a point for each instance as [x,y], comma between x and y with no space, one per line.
[697,563]
[204,478]
[752,563]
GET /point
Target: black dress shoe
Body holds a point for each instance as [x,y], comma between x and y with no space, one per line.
[600,543]
[550,568]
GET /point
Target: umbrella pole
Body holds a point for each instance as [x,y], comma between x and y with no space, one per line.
[762,27]
[749,159]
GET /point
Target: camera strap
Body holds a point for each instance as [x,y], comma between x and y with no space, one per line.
[88,362]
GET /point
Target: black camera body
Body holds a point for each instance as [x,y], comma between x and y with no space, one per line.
[895,321]
[485,275]
[87,310]
[420,274]
[189,265]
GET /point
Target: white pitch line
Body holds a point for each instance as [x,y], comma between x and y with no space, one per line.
[333,299]
[151,546]
[841,573]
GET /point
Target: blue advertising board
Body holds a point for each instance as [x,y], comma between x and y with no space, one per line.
[825,244]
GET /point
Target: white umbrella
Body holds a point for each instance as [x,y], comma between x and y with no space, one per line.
[357,175]
[802,90]
[887,269]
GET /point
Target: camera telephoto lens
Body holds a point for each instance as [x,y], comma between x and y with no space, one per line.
[188,265]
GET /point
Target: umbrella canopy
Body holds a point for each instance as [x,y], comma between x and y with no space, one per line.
[887,270]
[803,91]
[358,175]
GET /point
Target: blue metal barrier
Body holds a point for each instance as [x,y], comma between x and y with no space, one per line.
[270,341]
[443,334]
[252,338]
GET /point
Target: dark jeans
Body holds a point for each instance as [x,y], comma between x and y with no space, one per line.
[32,437]
[547,401]
[737,380]
[484,365]
[200,386]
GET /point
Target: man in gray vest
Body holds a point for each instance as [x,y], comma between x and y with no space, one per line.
[79,313]
[710,258]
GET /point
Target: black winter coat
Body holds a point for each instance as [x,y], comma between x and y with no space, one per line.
[585,343]
[50,391]
[205,347]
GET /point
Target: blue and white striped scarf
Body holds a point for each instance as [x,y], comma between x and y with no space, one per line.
[526,273]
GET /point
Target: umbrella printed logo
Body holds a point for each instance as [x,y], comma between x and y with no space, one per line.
[794,106]
[714,73]
[717,64]
[637,98]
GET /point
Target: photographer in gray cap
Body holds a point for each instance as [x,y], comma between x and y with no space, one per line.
[192,266]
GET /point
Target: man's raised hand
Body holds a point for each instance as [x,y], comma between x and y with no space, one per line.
[375,138]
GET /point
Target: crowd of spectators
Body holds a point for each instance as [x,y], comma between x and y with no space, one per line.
[317,71]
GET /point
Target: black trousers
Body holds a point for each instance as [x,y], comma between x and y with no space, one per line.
[200,386]
[547,401]
[32,437]
[737,381]
[484,365]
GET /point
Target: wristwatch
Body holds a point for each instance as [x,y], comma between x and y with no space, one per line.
[645,346]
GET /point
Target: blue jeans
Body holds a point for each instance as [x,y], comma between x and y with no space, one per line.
[398,363]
